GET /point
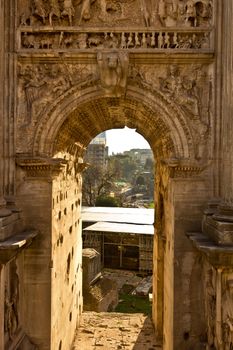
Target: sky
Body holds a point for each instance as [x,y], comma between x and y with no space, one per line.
[120,140]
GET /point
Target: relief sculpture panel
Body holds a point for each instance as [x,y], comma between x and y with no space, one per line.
[190,89]
[164,13]
[86,24]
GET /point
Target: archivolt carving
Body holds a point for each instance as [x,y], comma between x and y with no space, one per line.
[44,94]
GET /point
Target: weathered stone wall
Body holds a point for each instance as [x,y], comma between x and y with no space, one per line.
[162,71]
[66,257]
[34,196]
[190,196]
[169,277]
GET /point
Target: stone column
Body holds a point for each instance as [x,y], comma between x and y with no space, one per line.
[3,210]
[220,226]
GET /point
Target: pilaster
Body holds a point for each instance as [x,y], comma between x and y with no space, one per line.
[3,210]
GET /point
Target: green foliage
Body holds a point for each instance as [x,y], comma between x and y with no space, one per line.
[106,201]
[133,304]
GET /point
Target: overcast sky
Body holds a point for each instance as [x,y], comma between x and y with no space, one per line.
[120,140]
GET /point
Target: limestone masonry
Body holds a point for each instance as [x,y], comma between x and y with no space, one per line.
[71,69]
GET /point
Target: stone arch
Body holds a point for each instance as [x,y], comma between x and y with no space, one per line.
[160,121]
[79,115]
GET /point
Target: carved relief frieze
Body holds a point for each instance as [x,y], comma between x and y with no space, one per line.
[191,13]
[147,13]
[127,40]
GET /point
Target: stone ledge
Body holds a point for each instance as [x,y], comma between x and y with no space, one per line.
[219,256]
[11,247]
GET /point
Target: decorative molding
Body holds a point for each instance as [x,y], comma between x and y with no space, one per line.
[183,168]
[41,167]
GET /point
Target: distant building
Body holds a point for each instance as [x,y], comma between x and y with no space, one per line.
[140,155]
[97,151]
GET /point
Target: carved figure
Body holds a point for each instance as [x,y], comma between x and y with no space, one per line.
[32,85]
[227,315]
[162,10]
[168,12]
[210,305]
[182,89]
[160,40]
[68,10]
[175,41]
[86,10]
[82,40]
[166,40]
[145,12]
[152,44]
[123,41]
[54,10]
[39,9]
[144,41]
[204,11]
[137,41]
[113,41]
[11,319]
[113,69]
[130,41]
[95,41]
[190,13]
[28,41]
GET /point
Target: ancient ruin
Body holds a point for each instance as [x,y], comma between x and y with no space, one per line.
[70,69]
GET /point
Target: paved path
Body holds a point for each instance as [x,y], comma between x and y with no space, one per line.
[115,331]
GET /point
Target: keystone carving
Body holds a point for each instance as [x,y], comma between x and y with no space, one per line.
[113,71]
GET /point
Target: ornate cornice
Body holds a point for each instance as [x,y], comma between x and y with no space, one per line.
[183,168]
[41,167]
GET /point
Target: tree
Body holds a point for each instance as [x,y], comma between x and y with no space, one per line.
[96,182]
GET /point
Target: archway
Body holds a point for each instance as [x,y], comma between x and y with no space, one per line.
[60,136]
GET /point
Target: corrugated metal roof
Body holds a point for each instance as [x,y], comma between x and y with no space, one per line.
[140,216]
[121,228]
